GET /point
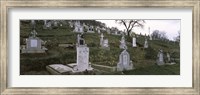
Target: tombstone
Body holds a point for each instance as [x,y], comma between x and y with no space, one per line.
[80,40]
[101,39]
[82,61]
[146,43]
[78,27]
[124,62]
[169,61]
[55,23]
[90,29]
[134,42]
[123,43]
[108,30]
[70,24]
[160,60]
[34,44]
[105,43]
[150,37]
[45,23]
[33,24]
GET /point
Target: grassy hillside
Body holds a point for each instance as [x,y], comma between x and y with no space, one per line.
[143,59]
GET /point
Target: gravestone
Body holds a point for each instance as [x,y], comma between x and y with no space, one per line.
[33,24]
[90,29]
[44,26]
[80,40]
[124,62]
[146,43]
[78,27]
[82,58]
[169,61]
[134,42]
[34,44]
[108,30]
[101,39]
[55,23]
[160,60]
[105,43]
[150,37]
[71,24]
[122,43]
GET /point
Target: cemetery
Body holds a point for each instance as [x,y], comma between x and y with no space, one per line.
[70,49]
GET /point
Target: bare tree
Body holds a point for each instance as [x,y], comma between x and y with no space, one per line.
[159,35]
[130,24]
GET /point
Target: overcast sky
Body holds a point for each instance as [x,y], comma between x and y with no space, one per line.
[171,27]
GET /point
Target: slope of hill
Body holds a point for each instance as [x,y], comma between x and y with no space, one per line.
[144,60]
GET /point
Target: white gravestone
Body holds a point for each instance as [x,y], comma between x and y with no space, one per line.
[169,61]
[82,58]
[124,62]
[90,29]
[134,42]
[150,34]
[146,44]
[123,43]
[78,27]
[160,60]
[150,37]
[34,44]
[101,39]
[105,43]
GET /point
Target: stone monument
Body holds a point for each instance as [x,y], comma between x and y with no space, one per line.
[34,44]
[123,43]
[146,43]
[82,59]
[124,62]
[134,42]
[90,29]
[150,37]
[105,43]
[169,61]
[78,27]
[101,39]
[160,60]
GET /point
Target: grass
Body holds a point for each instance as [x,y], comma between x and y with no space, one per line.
[143,59]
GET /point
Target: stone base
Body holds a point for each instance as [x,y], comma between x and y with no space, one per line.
[120,67]
[33,51]
[160,63]
[134,45]
[172,63]
[60,69]
[90,32]
[75,68]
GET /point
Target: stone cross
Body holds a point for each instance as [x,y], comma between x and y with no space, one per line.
[33,33]
[33,24]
